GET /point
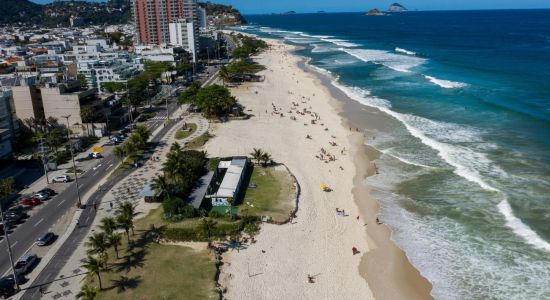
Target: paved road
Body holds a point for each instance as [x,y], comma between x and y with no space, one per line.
[86,219]
[24,235]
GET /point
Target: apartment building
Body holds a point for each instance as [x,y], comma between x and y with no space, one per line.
[8,123]
[151,18]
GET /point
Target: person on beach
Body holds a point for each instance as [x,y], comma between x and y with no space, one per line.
[354,250]
[378,221]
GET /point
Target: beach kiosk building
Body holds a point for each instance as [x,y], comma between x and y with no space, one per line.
[231,182]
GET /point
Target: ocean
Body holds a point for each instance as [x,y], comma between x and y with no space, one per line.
[464,99]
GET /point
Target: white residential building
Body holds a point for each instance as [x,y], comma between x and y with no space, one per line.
[183,34]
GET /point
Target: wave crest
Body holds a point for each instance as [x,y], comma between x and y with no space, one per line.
[446,84]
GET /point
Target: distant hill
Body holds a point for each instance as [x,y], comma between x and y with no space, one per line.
[13,11]
[226,14]
[396,7]
[59,13]
[375,12]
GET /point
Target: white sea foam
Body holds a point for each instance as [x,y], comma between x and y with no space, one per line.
[409,162]
[400,63]
[467,163]
[340,42]
[320,48]
[404,51]
[521,228]
[447,84]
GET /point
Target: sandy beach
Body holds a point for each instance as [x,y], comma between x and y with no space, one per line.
[299,121]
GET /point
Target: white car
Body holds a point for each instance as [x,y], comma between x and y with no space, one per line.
[41,196]
[96,155]
[61,178]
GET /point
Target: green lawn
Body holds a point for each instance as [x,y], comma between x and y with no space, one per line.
[273,196]
[182,134]
[152,271]
[198,142]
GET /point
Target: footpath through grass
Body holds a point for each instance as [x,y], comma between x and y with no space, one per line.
[273,195]
[198,142]
[182,134]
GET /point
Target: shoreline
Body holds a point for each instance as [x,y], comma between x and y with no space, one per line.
[319,241]
[402,280]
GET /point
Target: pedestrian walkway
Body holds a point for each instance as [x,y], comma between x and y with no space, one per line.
[70,279]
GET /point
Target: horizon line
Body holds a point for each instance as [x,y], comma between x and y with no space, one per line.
[408,11]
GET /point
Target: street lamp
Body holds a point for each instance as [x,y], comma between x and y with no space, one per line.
[74,164]
[5,229]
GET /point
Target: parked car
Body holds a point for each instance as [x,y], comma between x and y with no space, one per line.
[45,239]
[41,196]
[14,217]
[61,178]
[7,287]
[30,201]
[25,264]
[48,191]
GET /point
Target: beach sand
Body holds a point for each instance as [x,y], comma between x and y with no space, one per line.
[318,242]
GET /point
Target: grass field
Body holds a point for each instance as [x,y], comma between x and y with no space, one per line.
[148,270]
[181,134]
[274,194]
[198,142]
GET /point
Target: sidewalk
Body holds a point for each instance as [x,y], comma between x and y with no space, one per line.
[69,281]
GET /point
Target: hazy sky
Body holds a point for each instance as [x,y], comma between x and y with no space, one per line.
[268,6]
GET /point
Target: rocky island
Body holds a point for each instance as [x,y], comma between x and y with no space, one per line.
[396,7]
[375,12]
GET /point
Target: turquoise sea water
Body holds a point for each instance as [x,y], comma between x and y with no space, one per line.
[465,98]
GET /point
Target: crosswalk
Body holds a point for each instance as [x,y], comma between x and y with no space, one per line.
[163,117]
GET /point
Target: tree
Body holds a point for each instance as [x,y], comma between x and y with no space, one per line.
[114,240]
[87,114]
[108,225]
[136,140]
[87,292]
[266,158]
[257,154]
[83,81]
[161,187]
[6,188]
[189,95]
[119,152]
[98,244]
[224,75]
[252,229]
[215,100]
[95,266]
[207,226]
[125,223]
[143,132]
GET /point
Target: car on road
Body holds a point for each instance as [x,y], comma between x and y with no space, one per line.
[45,239]
[25,264]
[41,196]
[61,178]
[7,287]
[28,201]
[48,191]
[96,155]
[116,138]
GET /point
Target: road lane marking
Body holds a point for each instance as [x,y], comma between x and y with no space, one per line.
[109,167]
[13,244]
[38,222]
[60,203]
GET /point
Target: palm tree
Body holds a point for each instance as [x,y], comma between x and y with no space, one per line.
[119,152]
[125,223]
[115,240]
[266,157]
[87,292]
[208,225]
[6,187]
[257,154]
[137,140]
[161,186]
[95,266]
[130,148]
[87,114]
[224,74]
[98,244]
[108,225]
[143,132]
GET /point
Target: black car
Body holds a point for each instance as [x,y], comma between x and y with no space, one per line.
[7,287]
[45,239]
[14,218]
[48,191]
